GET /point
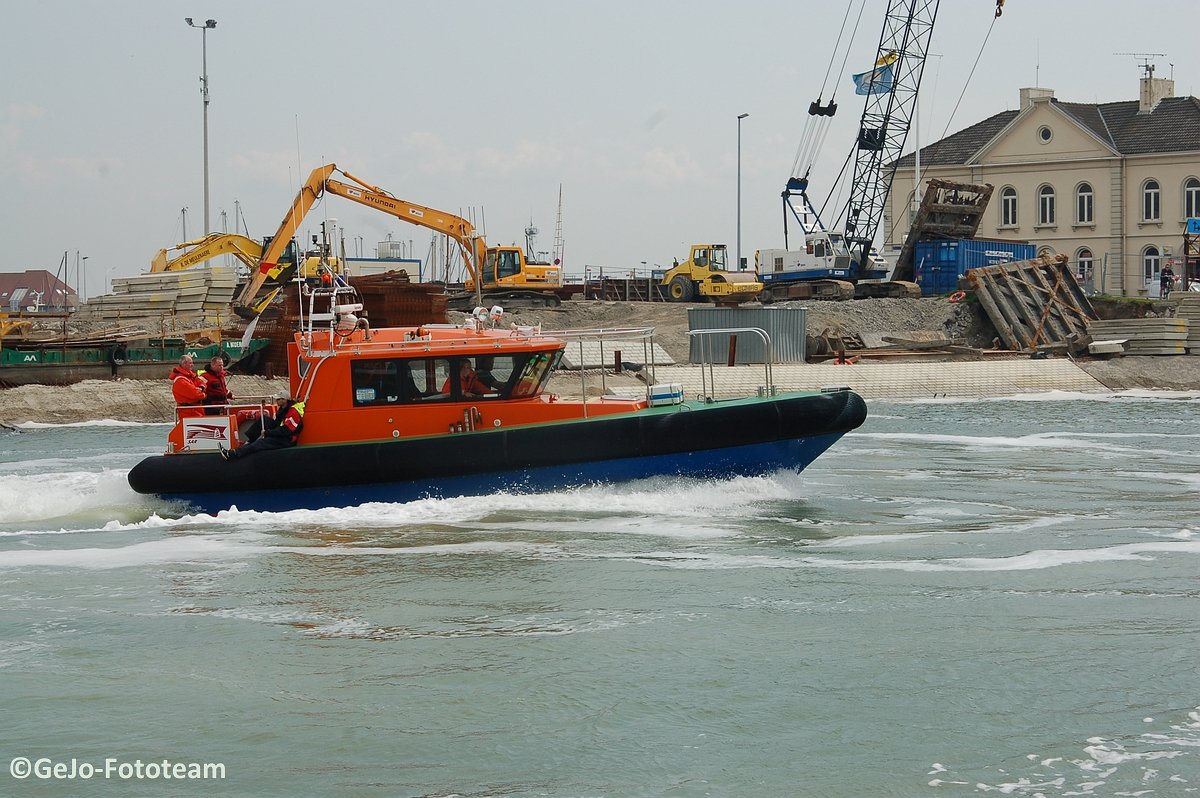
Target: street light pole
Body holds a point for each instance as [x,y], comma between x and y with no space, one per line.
[208,23]
[739,189]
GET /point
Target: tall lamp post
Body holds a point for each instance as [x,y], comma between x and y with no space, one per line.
[739,190]
[208,23]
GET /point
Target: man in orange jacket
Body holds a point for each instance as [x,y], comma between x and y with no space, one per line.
[468,382]
[188,388]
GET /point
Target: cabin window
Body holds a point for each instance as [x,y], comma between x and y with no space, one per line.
[534,373]
[397,381]
[507,264]
[718,260]
[394,381]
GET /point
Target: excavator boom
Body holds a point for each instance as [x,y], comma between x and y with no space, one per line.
[372,196]
[199,250]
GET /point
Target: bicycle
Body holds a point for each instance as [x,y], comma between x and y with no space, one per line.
[1166,287]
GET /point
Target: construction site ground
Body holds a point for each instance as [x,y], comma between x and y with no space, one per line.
[879,374]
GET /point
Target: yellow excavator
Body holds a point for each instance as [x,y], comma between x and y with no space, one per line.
[199,250]
[498,274]
[246,250]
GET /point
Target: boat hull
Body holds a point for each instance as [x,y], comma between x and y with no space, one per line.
[741,437]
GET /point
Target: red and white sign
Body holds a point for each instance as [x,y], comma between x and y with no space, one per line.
[207,432]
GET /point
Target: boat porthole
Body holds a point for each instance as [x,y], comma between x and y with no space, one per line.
[395,433]
[496,423]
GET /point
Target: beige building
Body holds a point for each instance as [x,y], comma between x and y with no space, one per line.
[1109,184]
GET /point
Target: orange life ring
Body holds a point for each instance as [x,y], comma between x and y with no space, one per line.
[958,296]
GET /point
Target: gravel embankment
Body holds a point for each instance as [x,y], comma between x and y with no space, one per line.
[150,400]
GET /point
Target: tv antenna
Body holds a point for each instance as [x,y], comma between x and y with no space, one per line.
[1147,61]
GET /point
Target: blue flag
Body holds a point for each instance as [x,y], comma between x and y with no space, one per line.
[877,81]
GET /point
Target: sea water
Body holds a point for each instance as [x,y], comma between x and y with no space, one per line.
[959,598]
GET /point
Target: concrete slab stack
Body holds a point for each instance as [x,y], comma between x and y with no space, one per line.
[1150,336]
[1189,308]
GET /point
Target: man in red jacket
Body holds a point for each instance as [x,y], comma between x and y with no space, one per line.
[216,391]
[188,388]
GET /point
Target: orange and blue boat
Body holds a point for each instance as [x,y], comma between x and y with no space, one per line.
[385,421]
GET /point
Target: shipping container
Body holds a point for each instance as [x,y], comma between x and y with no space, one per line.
[940,264]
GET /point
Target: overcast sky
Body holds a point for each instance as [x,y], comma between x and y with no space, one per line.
[486,108]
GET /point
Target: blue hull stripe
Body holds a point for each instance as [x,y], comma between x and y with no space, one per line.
[751,460]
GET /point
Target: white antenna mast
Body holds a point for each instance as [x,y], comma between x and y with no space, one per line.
[557,254]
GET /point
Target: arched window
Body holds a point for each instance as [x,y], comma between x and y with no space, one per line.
[1046,205]
[1008,207]
[1151,201]
[1191,198]
[1084,262]
[1150,262]
[1045,251]
[1084,204]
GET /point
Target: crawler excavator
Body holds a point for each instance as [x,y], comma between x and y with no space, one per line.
[497,274]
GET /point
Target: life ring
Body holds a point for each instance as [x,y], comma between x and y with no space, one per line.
[958,296]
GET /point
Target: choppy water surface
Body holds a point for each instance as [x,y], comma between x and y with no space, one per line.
[959,598]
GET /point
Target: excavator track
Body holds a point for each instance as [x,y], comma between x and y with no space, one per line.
[466,302]
[825,290]
[889,289]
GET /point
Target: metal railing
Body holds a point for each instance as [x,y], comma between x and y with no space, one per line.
[599,336]
[704,335]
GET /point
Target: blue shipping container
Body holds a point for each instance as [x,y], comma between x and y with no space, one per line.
[939,264]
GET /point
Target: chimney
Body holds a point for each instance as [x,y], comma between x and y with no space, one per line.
[1031,95]
[1154,90]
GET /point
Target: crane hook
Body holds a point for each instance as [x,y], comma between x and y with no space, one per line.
[999,8]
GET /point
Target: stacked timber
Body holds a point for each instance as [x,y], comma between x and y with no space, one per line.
[1189,308]
[167,300]
[1151,336]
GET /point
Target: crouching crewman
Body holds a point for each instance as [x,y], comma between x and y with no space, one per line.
[279,432]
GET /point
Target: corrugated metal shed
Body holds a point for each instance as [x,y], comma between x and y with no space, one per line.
[785,326]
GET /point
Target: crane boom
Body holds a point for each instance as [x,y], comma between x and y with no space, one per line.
[887,115]
[319,181]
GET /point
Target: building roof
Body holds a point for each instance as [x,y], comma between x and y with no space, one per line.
[53,291]
[1173,126]
[958,147]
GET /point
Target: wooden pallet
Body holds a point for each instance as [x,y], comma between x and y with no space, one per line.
[1034,303]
